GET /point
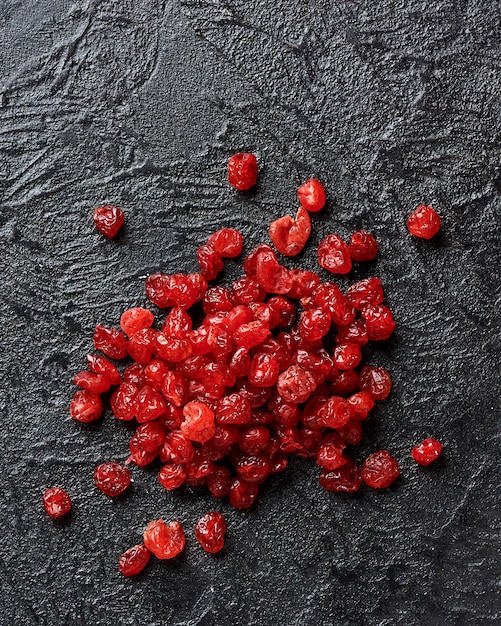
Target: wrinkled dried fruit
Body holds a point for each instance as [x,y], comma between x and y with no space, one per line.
[56,502]
[210,531]
[423,222]
[134,560]
[427,451]
[242,171]
[165,541]
[109,220]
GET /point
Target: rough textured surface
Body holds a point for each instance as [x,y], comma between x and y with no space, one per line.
[140,103]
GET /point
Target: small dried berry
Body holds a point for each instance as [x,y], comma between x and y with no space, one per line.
[134,560]
[345,479]
[375,380]
[380,469]
[311,195]
[165,541]
[427,451]
[109,220]
[423,222]
[112,478]
[110,341]
[226,242]
[136,319]
[198,422]
[56,502]
[334,255]
[242,171]
[363,246]
[86,406]
[289,236]
[209,532]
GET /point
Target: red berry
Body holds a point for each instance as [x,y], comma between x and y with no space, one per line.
[198,422]
[347,356]
[226,242]
[56,502]
[272,276]
[242,171]
[303,283]
[149,404]
[345,479]
[376,380]
[233,409]
[177,449]
[100,365]
[365,292]
[97,383]
[123,402]
[295,384]
[334,255]
[150,436]
[109,220]
[134,560]
[263,370]
[361,403]
[86,406]
[427,451]
[171,476]
[363,246]
[254,468]
[330,455]
[136,319]
[110,341]
[289,236]
[378,321]
[242,494]
[218,482]
[311,195]
[209,532]
[380,469]
[423,222]
[210,262]
[165,541]
[112,478]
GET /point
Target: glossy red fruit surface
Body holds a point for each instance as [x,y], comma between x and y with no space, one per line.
[427,451]
[363,246]
[86,406]
[242,171]
[56,502]
[134,560]
[423,222]
[210,531]
[166,541]
[380,470]
[289,236]
[112,478]
[109,220]
[311,195]
[334,255]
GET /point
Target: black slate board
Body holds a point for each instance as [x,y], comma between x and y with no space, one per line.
[141,103]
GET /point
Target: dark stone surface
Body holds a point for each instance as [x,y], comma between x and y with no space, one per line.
[141,103]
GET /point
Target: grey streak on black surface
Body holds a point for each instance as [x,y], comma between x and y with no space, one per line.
[141,103]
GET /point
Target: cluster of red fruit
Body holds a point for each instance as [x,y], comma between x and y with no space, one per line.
[224,404]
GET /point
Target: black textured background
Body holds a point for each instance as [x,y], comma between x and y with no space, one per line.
[140,103]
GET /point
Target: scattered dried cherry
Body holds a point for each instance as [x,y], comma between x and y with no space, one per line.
[108,219]
[311,195]
[56,502]
[134,560]
[427,451]
[289,236]
[210,531]
[112,478]
[380,470]
[165,541]
[423,222]
[242,171]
